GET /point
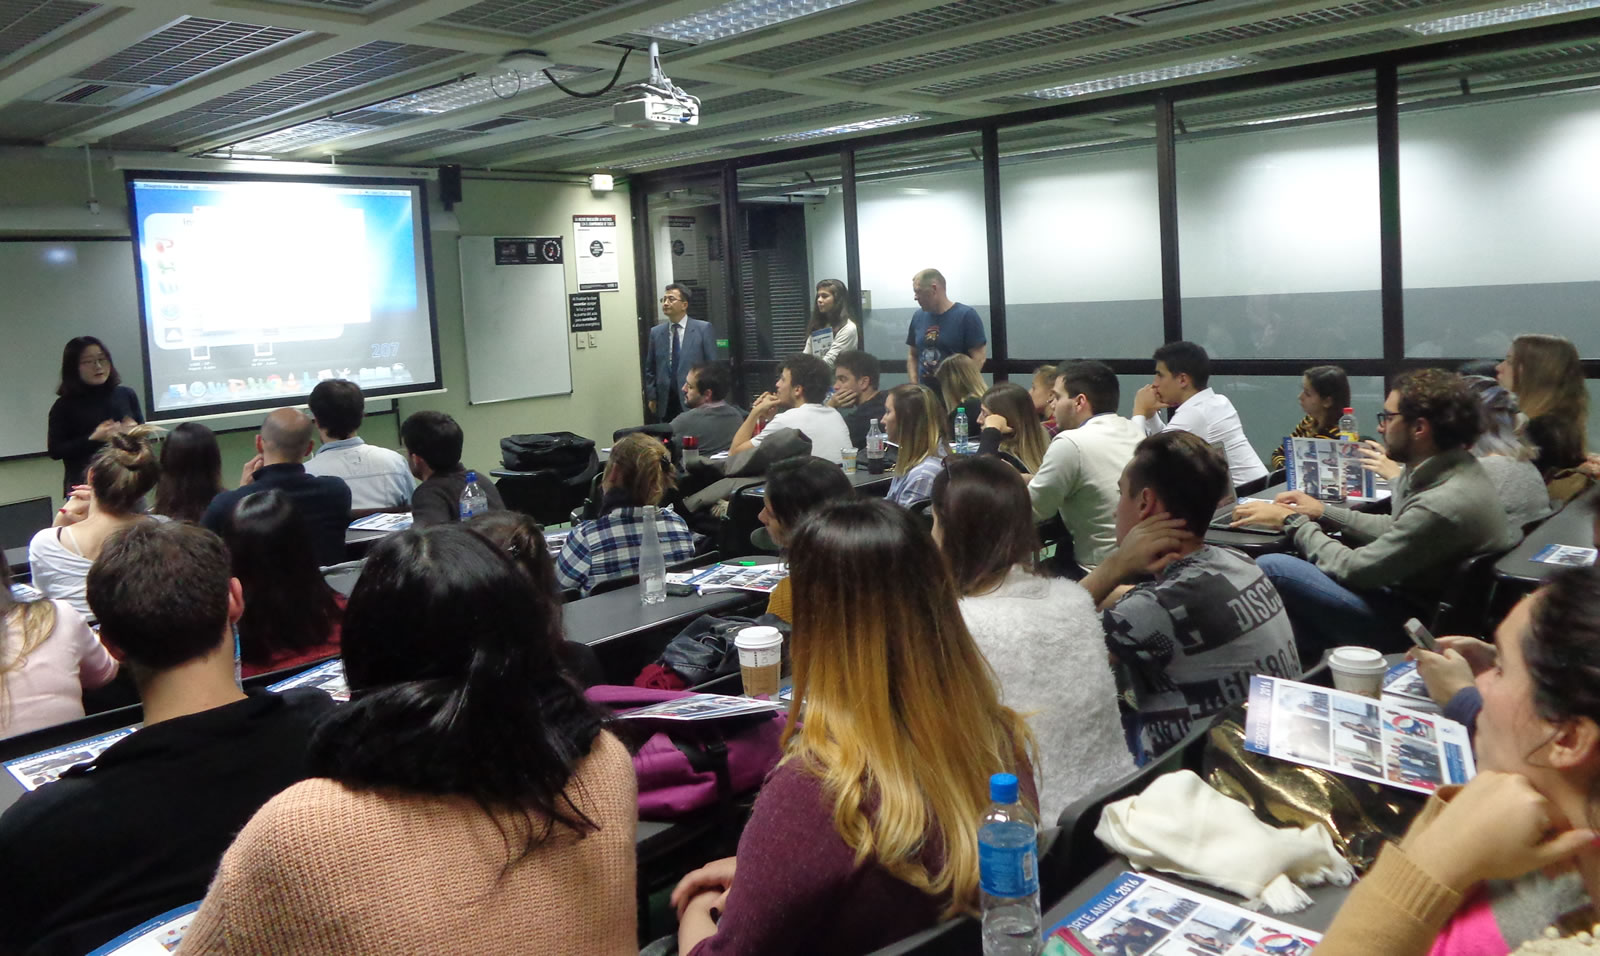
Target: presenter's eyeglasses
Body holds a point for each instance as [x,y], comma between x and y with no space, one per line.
[671,298]
[101,362]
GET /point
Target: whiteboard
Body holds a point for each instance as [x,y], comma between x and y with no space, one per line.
[515,321]
[55,290]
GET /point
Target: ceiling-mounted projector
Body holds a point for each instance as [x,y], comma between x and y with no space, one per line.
[661,103]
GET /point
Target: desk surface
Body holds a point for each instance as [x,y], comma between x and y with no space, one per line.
[861,479]
[614,615]
[1573,525]
[1249,542]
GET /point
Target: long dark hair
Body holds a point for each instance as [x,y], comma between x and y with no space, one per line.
[841,308]
[985,521]
[1330,381]
[71,380]
[455,688]
[191,472]
[288,606]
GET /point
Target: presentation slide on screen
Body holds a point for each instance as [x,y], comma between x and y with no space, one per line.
[254,290]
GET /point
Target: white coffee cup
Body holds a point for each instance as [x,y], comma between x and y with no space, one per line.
[847,460]
[1359,670]
[760,659]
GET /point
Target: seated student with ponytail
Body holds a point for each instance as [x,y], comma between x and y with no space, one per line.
[466,800]
[1467,877]
[867,830]
[605,548]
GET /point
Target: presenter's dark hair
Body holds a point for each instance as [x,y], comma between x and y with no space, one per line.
[434,437]
[985,521]
[1187,474]
[338,407]
[682,292]
[1094,380]
[1186,358]
[795,486]
[456,688]
[714,378]
[860,364]
[810,373]
[160,592]
[191,472]
[288,605]
[71,380]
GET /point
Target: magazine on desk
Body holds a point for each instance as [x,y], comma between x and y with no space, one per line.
[154,937]
[705,707]
[1356,736]
[328,678]
[1566,555]
[760,578]
[1142,914]
[1314,466]
[383,521]
[46,766]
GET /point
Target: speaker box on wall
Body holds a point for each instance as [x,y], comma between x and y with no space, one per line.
[450,185]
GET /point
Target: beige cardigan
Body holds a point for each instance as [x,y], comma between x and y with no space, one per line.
[325,869]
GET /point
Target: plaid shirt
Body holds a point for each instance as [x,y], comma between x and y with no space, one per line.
[608,547]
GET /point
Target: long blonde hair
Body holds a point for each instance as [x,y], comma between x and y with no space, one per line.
[918,425]
[33,621]
[1028,439]
[1547,378]
[959,379]
[903,722]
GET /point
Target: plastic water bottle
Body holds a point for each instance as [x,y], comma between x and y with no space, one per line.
[474,501]
[652,564]
[874,448]
[1008,872]
[1348,431]
[961,431]
[691,450]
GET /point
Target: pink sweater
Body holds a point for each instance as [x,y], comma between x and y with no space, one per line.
[48,688]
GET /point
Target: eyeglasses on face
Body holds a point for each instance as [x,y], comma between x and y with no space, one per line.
[671,298]
[1383,418]
[101,362]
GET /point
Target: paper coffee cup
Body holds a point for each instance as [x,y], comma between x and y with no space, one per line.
[847,460]
[1359,670]
[760,659]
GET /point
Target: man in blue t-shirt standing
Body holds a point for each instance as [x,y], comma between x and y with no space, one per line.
[939,329]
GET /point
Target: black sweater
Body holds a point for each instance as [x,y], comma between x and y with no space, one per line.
[73,418]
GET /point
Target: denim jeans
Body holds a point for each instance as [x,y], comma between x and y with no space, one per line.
[1326,614]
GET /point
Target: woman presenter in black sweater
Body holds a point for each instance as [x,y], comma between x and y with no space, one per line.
[93,401]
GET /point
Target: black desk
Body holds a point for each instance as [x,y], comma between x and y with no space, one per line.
[1250,542]
[1572,525]
[616,615]
[860,479]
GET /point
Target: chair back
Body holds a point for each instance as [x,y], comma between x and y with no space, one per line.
[615,584]
[21,520]
[546,494]
[1464,605]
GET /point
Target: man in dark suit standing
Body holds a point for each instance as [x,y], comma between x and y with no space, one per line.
[676,345]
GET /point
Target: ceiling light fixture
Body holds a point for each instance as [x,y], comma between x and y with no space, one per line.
[860,127]
[1142,77]
[1490,18]
[288,140]
[1314,114]
[736,17]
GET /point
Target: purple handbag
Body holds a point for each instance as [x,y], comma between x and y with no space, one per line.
[685,767]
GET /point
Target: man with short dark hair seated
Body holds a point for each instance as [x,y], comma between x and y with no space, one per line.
[856,394]
[797,403]
[1190,639]
[139,830]
[433,444]
[322,501]
[378,477]
[709,417]
[1182,382]
[1384,568]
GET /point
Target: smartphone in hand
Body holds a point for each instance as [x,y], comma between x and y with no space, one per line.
[1420,636]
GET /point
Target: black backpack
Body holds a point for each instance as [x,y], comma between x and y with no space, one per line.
[562,452]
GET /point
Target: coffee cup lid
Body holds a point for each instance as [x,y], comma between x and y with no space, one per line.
[1362,658]
[758,638]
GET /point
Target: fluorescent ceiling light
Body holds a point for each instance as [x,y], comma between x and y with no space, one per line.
[471,91]
[1490,18]
[862,126]
[1304,116]
[736,17]
[296,137]
[1142,77]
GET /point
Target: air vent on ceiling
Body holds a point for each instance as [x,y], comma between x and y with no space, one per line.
[1179,10]
[497,123]
[589,132]
[101,93]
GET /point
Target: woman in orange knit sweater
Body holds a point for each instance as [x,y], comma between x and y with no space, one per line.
[1443,890]
[467,800]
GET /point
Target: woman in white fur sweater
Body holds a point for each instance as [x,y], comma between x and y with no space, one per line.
[1041,635]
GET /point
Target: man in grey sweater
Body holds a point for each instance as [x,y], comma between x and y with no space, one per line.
[709,419]
[1360,587]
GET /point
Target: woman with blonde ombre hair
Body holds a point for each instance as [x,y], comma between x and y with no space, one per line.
[911,420]
[1011,428]
[961,386]
[868,829]
[1544,372]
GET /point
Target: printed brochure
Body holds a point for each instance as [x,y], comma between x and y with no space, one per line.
[760,578]
[46,766]
[1316,466]
[1139,915]
[153,937]
[1356,736]
[382,521]
[1566,555]
[705,707]
[328,678]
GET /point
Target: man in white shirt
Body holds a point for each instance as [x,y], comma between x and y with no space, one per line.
[1182,371]
[379,479]
[796,402]
[1078,477]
